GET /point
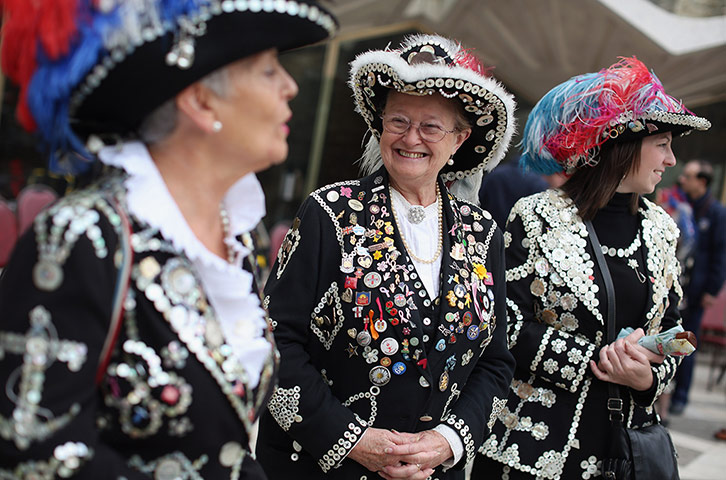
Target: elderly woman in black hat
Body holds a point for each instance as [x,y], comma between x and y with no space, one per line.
[387,297]
[133,340]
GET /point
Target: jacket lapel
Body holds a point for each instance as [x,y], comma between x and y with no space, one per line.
[561,244]
[177,294]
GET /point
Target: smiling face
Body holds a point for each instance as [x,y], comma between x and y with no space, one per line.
[411,161]
[254,112]
[655,156]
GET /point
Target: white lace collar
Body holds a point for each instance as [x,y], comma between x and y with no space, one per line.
[150,201]
[228,286]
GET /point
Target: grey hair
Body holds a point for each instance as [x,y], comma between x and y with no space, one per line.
[161,122]
[371,160]
[467,188]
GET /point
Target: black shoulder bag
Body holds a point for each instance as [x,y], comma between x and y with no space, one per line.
[635,453]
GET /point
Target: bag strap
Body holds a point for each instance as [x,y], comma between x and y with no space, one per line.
[123,278]
[615,403]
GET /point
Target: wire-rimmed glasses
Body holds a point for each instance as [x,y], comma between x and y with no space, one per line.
[429,132]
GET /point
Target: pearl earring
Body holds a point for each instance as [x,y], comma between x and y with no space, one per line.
[450,161]
[216,126]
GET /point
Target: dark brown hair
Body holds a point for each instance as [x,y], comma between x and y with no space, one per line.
[591,188]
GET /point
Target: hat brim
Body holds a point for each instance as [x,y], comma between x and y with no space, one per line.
[118,94]
[487,105]
[678,124]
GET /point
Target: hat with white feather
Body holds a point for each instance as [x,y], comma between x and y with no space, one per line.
[428,65]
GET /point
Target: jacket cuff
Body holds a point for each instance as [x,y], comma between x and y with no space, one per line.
[457,447]
[340,450]
[462,430]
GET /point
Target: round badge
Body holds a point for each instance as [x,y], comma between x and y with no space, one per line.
[459,290]
[363,338]
[386,362]
[541,266]
[168,469]
[414,341]
[389,346]
[450,317]
[230,453]
[465,210]
[380,325]
[372,279]
[47,275]
[441,345]
[365,261]
[355,205]
[467,318]
[374,209]
[379,375]
[472,332]
[479,248]
[399,299]
[399,368]
[332,196]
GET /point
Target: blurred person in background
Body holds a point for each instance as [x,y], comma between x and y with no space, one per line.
[133,339]
[503,186]
[707,274]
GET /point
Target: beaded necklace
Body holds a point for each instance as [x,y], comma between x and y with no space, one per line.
[224,216]
[440,246]
[627,253]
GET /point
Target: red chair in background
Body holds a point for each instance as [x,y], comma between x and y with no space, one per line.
[8,232]
[713,337]
[31,201]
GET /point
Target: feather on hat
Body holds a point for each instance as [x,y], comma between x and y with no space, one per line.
[101,66]
[623,102]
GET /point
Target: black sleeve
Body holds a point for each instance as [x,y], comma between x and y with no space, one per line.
[537,345]
[303,404]
[55,301]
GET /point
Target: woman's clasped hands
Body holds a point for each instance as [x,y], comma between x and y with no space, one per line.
[396,455]
[626,363]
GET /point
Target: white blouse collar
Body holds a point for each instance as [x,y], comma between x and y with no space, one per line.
[150,201]
[229,287]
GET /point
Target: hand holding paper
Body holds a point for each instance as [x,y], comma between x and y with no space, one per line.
[674,341]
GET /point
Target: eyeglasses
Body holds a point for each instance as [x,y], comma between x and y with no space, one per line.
[428,132]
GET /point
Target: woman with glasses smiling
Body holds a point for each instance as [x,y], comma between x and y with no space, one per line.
[387,297]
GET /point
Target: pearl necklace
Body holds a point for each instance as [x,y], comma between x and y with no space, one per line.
[626,253]
[226,231]
[440,246]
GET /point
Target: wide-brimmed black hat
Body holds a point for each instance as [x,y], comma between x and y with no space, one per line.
[431,64]
[115,61]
